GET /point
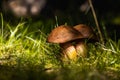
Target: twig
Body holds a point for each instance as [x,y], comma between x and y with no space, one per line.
[96,21]
[2,26]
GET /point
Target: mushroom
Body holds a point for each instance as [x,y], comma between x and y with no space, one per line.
[64,35]
[87,33]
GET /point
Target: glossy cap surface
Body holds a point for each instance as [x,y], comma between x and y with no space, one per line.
[63,34]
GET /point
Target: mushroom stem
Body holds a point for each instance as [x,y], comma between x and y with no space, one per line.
[81,49]
[69,51]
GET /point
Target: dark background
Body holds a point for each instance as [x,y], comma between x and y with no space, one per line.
[68,11]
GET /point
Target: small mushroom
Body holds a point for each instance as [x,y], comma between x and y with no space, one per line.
[64,35]
[87,33]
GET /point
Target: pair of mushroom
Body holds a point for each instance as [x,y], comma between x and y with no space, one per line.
[71,39]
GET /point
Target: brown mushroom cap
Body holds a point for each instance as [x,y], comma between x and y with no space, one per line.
[63,34]
[86,31]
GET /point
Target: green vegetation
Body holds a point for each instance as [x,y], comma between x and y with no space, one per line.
[25,55]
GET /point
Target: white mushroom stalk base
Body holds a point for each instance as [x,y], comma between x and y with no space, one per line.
[72,52]
[81,49]
[69,51]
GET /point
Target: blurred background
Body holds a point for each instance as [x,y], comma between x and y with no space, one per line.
[71,12]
